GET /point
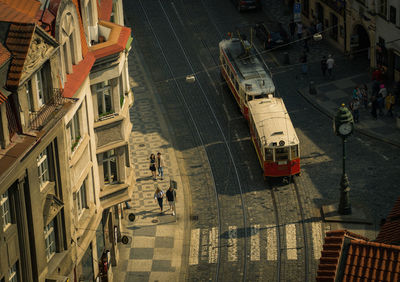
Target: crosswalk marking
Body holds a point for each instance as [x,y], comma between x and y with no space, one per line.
[272,252]
[255,243]
[204,244]
[213,246]
[317,239]
[291,242]
[232,244]
[194,247]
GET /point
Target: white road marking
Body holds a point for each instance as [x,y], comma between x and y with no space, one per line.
[317,239]
[272,251]
[204,244]
[291,242]
[386,158]
[194,247]
[213,246]
[255,243]
[232,244]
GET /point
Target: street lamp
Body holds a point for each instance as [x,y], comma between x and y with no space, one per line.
[343,127]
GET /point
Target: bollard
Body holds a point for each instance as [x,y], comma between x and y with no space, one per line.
[312,90]
[286,59]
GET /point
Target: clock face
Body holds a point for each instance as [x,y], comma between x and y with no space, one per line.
[345,128]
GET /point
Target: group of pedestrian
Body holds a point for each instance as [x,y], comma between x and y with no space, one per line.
[359,97]
[381,98]
[157,165]
[170,195]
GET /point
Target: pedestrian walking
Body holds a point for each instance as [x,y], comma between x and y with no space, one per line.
[153,166]
[159,196]
[171,197]
[390,101]
[376,75]
[299,30]
[374,107]
[382,91]
[355,109]
[292,29]
[330,63]
[364,95]
[160,165]
[323,66]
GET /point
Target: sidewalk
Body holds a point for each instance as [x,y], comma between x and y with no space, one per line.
[332,94]
[156,243]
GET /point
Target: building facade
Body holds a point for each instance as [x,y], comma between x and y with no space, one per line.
[388,37]
[64,159]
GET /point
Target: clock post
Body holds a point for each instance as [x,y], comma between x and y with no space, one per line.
[343,127]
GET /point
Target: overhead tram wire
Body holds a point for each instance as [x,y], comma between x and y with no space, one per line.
[261,53]
[222,133]
[182,97]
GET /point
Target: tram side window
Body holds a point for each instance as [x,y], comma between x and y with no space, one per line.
[269,156]
[282,154]
[232,77]
[236,85]
[294,152]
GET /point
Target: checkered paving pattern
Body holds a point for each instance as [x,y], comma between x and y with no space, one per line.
[154,249]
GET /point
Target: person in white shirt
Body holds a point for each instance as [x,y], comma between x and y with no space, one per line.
[329,65]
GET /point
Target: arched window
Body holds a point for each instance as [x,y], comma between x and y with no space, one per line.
[69,39]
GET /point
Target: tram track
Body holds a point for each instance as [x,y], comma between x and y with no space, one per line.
[202,140]
[198,131]
[293,184]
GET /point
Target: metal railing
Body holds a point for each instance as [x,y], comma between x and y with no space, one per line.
[38,119]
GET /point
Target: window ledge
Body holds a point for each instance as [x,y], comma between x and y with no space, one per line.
[83,221]
[101,123]
[47,186]
[56,260]
[78,150]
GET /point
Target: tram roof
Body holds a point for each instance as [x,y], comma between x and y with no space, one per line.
[272,121]
[250,70]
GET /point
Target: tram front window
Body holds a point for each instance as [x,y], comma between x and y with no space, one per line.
[282,154]
[294,152]
[269,156]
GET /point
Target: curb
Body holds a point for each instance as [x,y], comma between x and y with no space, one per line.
[327,113]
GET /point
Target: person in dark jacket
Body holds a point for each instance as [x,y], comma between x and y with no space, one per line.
[171,197]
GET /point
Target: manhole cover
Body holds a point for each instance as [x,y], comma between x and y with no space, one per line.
[154,220]
[194,217]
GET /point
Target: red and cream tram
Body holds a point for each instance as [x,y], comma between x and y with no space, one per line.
[243,72]
[274,137]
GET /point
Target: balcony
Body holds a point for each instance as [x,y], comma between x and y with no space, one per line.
[112,39]
[38,119]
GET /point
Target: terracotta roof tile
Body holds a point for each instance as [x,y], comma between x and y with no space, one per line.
[19,11]
[104,8]
[4,54]
[390,230]
[3,98]
[79,73]
[18,42]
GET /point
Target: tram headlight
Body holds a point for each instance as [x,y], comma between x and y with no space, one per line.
[281,143]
